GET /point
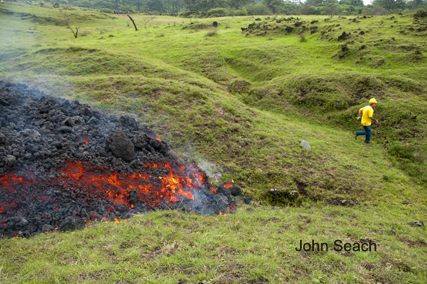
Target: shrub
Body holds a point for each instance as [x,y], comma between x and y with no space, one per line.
[402,151]
[420,14]
[211,34]
[104,10]
[243,12]
[258,9]
[217,12]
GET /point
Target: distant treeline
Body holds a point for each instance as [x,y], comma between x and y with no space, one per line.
[220,8]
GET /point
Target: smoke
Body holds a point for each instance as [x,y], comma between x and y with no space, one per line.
[210,169]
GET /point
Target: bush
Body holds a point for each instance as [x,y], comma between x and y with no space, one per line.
[104,10]
[242,12]
[401,151]
[211,34]
[218,12]
[189,14]
[258,9]
[420,14]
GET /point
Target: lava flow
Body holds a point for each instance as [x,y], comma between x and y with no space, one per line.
[63,164]
[172,186]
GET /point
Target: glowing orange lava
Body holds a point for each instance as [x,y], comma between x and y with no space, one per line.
[228,185]
[172,186]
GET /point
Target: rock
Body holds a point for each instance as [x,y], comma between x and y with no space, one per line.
[23,222]
[120,145]
[3,139]
[344,48]
[71,223]
[141,140]
[293,194]
[289,29]
[10,160]
[247,200]
[160,146]
[65,129]
[305,144]
[223,190]
[133,197]
[419,223]
[222,202]
[46,228]
[343,36]
[235,191]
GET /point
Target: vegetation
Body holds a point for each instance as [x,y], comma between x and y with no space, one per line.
[222,8]
[240,103]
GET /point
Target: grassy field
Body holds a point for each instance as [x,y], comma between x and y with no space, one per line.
[239,103]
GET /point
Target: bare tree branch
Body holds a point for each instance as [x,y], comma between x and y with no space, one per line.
[75,33]
[133,22]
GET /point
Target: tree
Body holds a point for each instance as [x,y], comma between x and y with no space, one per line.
[273,5]
[194,5]
[390,4]
[138,4]
[133,22]
[313,2]
[237,4]
[332,9]
[155,5]
[307,10]
[356,3]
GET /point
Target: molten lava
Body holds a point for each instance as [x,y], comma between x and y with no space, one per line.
[170,185]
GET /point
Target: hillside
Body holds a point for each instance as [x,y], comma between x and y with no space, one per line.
[239,103]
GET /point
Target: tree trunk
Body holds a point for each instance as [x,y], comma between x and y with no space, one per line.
[75,33]
[133,22]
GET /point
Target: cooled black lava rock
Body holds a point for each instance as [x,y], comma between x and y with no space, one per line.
[120,145]
[3,139]
[247,200]
[235,191]
[71,223]
[10,161]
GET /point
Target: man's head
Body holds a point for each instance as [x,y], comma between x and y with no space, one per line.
[373,102]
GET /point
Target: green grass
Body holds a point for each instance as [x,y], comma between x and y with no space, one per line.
[184,79]
[246,247]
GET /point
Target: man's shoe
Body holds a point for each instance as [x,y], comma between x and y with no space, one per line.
[355,135]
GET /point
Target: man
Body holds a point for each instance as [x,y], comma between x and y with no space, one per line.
[367,114]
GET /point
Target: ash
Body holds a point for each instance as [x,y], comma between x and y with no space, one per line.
[63,164]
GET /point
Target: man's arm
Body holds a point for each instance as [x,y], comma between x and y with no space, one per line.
[360,114]
[371,117]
